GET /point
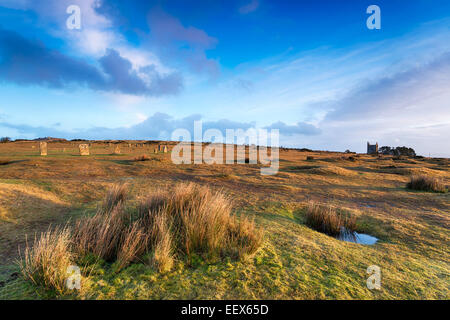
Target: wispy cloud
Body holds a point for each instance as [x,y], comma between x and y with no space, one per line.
[253,5]
[417,91]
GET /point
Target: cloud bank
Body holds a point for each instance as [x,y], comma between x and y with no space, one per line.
[158,126]
[30,62]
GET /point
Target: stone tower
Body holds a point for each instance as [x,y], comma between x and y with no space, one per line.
[372,148]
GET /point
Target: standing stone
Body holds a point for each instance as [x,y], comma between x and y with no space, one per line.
[117,150]
[156,151]
[84,149]
[43,148]
[165,149]
[64,150]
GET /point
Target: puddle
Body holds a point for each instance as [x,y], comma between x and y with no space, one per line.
[356,237]
[368,205]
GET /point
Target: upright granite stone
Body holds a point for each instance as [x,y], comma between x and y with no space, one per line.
[117,150]
[43,148]
[84,149]
[166,149]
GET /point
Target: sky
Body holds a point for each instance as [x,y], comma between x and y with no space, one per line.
[310,68]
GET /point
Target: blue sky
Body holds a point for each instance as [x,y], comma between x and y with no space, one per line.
[312,69]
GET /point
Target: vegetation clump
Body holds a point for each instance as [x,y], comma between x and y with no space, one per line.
[187,222]
[142,158]
[329,220]
[426,183]
[47,261]
[194,220]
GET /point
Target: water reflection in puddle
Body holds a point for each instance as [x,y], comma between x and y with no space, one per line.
[356,237]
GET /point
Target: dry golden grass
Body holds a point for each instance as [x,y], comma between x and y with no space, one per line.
[332,170]
[162,254]
[426,183]
[200,221]
[244,238]
[46,262]
[132,246]
[328,220]
[295,262]
[116,195]
[188,220]
[101,234]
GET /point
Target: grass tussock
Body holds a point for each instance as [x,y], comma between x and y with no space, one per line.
[103,233]
[189,221]
[426,183]
[47,261]
[132,246]
[200,222]
[162,253]
[142,158]
[117,194]
[329,220]
[244,238]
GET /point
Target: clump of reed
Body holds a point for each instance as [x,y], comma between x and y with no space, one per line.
[167,225]
[426,183]
[46,262]
[329,220]
[193,219]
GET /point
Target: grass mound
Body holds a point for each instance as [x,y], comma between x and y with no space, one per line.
[409,171]
[329,220]
[426,183]
[332,170]
[322,170]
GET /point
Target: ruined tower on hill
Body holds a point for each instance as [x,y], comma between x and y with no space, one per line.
[372,148]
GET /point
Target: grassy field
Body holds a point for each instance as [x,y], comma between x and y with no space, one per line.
[293,262]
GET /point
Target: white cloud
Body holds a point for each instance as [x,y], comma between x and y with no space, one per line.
[253,5]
